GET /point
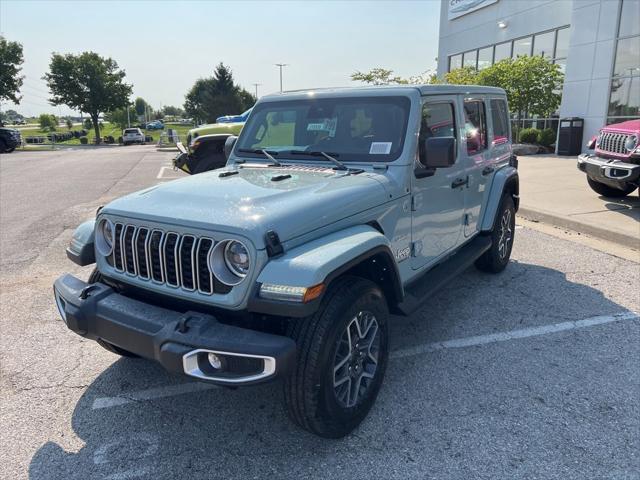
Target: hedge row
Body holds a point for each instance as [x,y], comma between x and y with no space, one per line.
[546,137]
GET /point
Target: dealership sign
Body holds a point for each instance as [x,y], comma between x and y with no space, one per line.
[457,8]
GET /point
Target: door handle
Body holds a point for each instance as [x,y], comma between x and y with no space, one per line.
[487,170]
[460,182]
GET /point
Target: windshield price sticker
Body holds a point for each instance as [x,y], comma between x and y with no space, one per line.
[328,125]
[380,148]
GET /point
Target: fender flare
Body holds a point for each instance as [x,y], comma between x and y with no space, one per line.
[321,261]
[505,180]
[81,247]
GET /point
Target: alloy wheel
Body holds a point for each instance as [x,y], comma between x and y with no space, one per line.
[356,359]
[505,234]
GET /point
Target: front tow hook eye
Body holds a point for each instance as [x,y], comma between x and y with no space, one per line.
[86,291]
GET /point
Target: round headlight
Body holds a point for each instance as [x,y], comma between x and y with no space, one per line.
[236,256]
[631,143]
[229,262]
[104,237]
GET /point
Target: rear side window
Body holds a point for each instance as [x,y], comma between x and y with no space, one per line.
[438,120]
[475,126]
[500,120]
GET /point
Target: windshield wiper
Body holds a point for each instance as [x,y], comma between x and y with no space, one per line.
[339,165]
[267,154]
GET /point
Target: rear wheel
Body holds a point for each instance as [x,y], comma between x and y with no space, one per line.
[607,191]
[95,277]
[342,357]
[497,257]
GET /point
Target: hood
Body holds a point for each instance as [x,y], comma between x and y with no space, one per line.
[289,200]
[630,126]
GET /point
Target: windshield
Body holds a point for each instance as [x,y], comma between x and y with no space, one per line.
[368,129]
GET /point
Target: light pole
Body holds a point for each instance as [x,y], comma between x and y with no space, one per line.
[257,85]
[128,119]
[280,65]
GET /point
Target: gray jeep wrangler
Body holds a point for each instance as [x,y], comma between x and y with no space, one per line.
[336,208]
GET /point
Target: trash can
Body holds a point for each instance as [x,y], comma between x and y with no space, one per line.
[570,136]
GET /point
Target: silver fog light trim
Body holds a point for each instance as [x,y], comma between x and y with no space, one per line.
[191,366]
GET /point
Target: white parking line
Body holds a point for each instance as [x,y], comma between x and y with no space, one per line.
[173,390]
[151,394]
[513,334]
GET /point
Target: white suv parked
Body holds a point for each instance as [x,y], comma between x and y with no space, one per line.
[132,135]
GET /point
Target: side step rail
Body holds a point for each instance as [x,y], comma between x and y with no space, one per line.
[420,290]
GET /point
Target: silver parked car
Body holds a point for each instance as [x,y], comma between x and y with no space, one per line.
[132,135]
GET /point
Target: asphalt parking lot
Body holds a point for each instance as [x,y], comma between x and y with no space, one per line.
[532,373]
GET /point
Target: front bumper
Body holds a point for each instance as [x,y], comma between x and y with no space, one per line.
[614,173]
[181,342]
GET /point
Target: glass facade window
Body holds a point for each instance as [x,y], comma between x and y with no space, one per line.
[470,58]
[522,46]
[553,45]
[562,43]
[627,57]
[543,44]
[629,18]
[455,61]
[485,57]
[624,98]
[503,50]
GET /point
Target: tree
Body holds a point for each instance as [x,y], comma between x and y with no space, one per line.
[212,97]
[69,124]
[533,84]
[382,76]
[141,107]
[87,82]
[173,111]
[48,122]
[10,78]
[120,118]
[462,76]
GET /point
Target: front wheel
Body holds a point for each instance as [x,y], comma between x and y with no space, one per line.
[607,191]
[342,356]
[497,257]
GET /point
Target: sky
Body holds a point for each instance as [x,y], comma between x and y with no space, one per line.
[165,46]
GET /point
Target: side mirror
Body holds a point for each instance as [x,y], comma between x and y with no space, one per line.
[228,145]
[439,152]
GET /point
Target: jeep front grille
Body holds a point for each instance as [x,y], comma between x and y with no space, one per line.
[169,258]
[613,142]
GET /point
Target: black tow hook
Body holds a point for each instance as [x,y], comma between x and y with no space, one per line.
[84,293]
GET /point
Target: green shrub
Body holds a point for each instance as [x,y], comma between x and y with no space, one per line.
[529,135]
[84,140]
[547,137]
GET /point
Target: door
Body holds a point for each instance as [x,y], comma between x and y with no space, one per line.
[479,167]
[437,199]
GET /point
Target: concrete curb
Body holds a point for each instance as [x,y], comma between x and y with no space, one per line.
[580,227]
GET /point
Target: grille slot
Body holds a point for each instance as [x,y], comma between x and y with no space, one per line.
[169,258]
[170,251]
[613,142]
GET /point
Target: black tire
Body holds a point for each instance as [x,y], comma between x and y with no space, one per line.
[95,277]
[497,257]
[607,191]
[311,397]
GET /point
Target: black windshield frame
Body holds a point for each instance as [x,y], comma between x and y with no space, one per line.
[388,120]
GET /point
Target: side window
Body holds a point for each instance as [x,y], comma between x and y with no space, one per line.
[500,120]
[475,126]
[438,120]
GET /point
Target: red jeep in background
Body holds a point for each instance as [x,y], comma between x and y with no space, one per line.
[614,170]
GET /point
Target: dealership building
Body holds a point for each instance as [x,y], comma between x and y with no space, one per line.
[596,43]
